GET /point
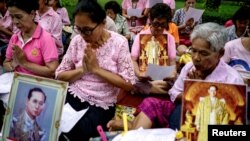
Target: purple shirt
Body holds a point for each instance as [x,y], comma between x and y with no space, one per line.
[39,49]
[222,73]
[113,56]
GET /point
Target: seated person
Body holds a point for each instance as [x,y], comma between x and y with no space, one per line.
[153,51]
[237,53]
[32,50]
[63,13]
[97,65]
[240,22]
[51,22]
[208,42]
[113,10]
[134,21]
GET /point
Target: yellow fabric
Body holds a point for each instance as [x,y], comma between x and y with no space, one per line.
[202,117]
[185,58]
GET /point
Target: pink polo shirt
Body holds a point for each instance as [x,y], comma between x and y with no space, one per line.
[39,49]
[63,13]
[113,56]
[222,73]
[171,48]
[52,23]
[170,3]
[6,22]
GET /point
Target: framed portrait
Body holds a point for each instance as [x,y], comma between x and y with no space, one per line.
[153,50]
[206,103]
[34,108]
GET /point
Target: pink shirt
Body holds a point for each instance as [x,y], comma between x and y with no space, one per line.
[63,13]
[222,73]
[113,56]
[52,23]
[127,4]
[170,3]
[135,52]
[39,49]
[6,22]
[237,55]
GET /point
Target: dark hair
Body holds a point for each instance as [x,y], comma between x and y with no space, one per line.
[36,90]
[95,12]
[25,5]
[241,14]
[59,4]
[114,6]
[159,11]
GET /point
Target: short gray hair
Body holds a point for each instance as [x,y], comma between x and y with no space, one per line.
[213,33]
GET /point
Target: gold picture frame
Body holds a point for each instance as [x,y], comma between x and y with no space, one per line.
[49,116]
[211,103]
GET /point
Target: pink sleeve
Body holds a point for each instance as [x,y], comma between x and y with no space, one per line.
[125,4]
[48,48]
[68,59]
[135,51]
[147,4]
[171,47]
[125,64]
[178,87]
[172,4]
[227,53]
[65,16]
[57,30]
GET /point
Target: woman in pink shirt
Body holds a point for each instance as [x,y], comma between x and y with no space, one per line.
[97,65]
[61,11]
[51,22]
[32,50]
[160,18]
[134,4]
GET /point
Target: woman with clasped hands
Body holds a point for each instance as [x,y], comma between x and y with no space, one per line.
[97,64]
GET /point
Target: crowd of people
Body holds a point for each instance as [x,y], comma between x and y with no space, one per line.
[110,49]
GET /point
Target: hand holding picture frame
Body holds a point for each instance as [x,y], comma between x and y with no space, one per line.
[34,108]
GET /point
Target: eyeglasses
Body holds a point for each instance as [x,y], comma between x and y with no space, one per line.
[84,30]
[157,24]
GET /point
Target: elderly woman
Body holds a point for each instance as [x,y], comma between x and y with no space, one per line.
[208,42]
[97,65]
[113,10]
